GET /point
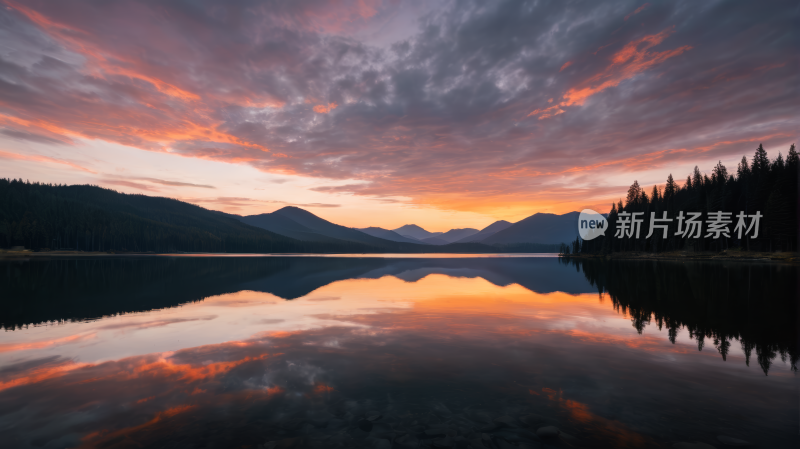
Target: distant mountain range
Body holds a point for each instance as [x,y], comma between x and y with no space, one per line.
[493,228]
[90,218]
[302,225]
[388,235]
[539,228]
[415,232]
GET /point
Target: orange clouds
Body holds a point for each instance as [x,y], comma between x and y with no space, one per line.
[637,11]
[433,117]
[322,109]
[37,158]
[632,59]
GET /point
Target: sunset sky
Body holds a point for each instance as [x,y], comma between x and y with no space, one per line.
[382,113]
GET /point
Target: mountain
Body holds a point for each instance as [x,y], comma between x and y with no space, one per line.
[283,225]
[455,235]
[435,241]
[539,228]
[303,225]
[91,218]
[415,232]
[324,227]
[388,235]
[492,229]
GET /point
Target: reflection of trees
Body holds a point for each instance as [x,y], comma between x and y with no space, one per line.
[754,304]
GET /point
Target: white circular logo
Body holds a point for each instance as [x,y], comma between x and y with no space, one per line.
[591,224]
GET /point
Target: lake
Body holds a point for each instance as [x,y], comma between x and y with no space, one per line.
[397,352]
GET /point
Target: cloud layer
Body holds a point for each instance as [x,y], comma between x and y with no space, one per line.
[473,107]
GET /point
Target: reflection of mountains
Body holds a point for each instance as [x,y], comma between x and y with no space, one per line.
[54,290]
[301,277]
[756,304]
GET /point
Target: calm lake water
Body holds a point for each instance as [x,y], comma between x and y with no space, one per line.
[280,352]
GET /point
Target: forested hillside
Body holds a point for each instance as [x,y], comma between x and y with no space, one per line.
[90,218]
[759,186]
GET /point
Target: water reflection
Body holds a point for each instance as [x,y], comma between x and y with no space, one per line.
[449,353]
[753,304]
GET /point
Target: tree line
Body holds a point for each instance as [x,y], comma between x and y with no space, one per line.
[90,218]
[760,186]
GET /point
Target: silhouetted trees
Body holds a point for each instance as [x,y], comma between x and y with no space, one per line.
[761,185]
[90,218]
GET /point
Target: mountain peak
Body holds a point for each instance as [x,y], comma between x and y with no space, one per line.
[414,231]
[409,227]
[291,209]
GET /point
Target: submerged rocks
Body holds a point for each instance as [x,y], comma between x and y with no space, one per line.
[547,432]
[381,443]
[289,443]
[505,421]
[695,445]
[407,442]
[443,442]
[374,424]
[372,415]
[436,432]
[731,441]
[503,444]
[319,418]
[365,425]
[516,435]
[441,410]
[536,421]
[381,430]
[488,428]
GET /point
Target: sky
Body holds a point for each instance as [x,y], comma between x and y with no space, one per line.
[446,114]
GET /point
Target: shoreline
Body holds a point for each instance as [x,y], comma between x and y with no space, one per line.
[744,256]
[27,254]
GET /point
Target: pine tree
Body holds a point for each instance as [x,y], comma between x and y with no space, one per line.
[634,196]
[743,171]
[670,189]
[792,158]
[719,174]
[697,178]
[760,161]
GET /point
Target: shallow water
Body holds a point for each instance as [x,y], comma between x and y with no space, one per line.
[396,352]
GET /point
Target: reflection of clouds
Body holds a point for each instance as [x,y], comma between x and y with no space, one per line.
[458,338]
[155,323]
[270,321]
[422,355]
[305,371]
[324,298]
[46,343]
